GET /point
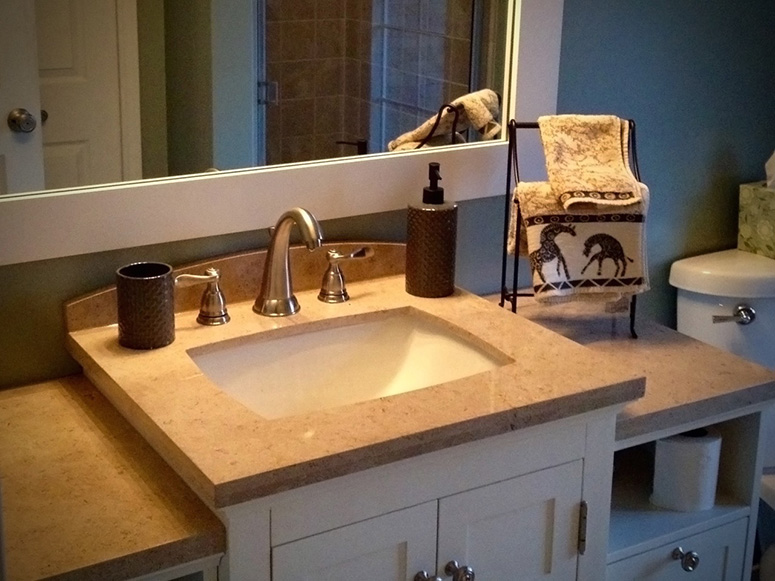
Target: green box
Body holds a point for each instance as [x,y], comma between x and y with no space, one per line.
[756,220]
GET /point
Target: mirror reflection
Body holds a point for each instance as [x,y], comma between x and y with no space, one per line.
[324,79]
[363,72]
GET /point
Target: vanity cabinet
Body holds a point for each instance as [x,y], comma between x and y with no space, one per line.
[646,542]
[508,506]
[525,527]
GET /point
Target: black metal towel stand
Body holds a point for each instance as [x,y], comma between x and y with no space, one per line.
[455,113]
[513,170]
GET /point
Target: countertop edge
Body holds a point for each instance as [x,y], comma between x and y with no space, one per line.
[448,436]
[679,418]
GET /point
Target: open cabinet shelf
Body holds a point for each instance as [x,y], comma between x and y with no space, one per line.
[637,526]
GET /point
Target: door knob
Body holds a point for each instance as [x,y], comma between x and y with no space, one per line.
[21,121]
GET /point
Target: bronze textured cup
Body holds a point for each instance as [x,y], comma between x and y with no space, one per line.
[145,293]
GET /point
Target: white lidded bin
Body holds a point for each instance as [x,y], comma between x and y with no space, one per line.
[737,289]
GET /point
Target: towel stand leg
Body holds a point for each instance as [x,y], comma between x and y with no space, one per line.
[633,334]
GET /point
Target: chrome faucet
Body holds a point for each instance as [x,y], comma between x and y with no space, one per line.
[276,299]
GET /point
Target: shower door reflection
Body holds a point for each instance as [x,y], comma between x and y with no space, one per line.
[339,71]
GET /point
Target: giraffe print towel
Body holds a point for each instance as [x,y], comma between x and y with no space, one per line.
[592,254]
[587,159]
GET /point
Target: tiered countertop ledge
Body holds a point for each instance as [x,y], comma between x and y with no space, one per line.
[688,382]
[85,497]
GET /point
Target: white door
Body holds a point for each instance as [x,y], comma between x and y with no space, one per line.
[521,529]
[21,154]
[391,547]
[721,553]
[90,90]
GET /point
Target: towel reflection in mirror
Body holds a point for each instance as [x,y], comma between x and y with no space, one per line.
[479,110]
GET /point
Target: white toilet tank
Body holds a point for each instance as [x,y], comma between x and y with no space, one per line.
[719,284]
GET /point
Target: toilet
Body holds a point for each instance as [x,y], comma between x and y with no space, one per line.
[738,289]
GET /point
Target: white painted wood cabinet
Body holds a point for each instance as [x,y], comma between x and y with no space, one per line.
[507,506]
[391,547]
[643,537]
[720,554]
[525,528]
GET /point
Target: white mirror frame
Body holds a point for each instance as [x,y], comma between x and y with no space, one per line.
[53,225]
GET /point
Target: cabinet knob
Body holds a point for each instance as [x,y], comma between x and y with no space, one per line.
[459,572]
[689,561]
[425,576]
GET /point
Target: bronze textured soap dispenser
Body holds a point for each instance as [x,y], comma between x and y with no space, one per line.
[431,239]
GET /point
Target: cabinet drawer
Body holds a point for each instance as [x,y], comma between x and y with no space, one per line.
[721,552]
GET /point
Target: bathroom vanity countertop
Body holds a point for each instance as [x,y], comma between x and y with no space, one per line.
[688,382]
[229,454]
[85,497]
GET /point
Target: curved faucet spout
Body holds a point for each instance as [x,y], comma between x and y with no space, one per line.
[276,298]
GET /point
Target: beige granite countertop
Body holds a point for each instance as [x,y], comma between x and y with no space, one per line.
[229,454]
[567,359]
[687,381]
[85,497]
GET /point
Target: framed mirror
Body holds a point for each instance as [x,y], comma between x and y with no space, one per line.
[45,225]
[139,89]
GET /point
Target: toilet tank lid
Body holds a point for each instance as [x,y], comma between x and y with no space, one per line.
[729,273]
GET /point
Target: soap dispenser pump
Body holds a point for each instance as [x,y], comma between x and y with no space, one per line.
[431,241]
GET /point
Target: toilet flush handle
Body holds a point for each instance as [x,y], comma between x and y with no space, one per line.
[742,315]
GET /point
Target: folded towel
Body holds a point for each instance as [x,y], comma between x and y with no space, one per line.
[590,254]
[479,110]
[587,159]
[435,141]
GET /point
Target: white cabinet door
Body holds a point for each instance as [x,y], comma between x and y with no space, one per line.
[525,528]
[721,554]
[391,547]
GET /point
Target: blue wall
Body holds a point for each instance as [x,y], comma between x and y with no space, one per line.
[698,78]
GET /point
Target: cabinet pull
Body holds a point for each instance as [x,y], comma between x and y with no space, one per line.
[689,561]
[459,572]
[425,576]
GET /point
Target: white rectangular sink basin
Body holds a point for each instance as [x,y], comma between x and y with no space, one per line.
[277,375]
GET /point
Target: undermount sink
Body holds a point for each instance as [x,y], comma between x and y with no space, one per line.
[319,367]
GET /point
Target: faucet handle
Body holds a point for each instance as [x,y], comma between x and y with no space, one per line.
[212,309]
[332,289]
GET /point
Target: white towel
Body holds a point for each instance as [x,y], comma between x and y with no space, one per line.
[587,159]
[479,110]
[593,253]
